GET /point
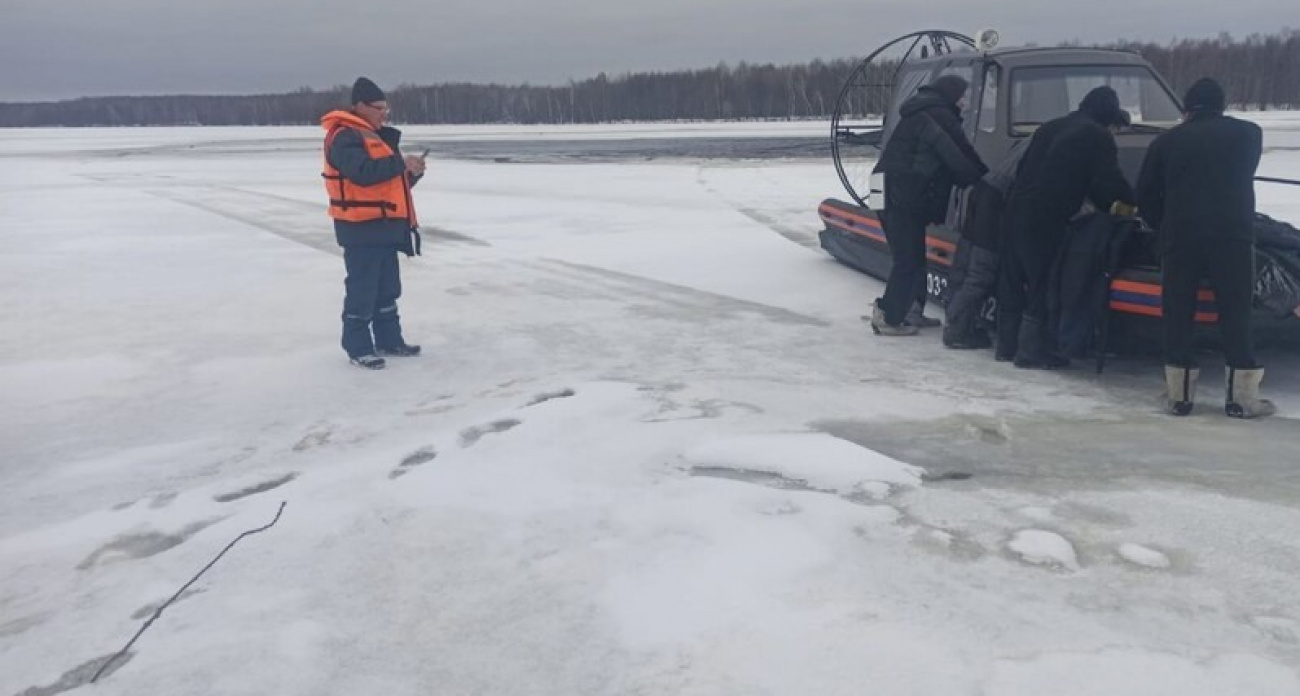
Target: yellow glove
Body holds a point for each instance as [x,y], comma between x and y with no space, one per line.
[1123,209]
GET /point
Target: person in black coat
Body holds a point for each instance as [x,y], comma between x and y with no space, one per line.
[926,155]
[1070,159]
[1197,190]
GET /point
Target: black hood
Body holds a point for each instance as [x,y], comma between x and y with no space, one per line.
[926,98]
[1102,105]
[1205,96]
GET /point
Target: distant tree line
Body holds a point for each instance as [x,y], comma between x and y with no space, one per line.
[1259,72]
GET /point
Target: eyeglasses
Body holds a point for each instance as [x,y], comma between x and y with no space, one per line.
[377,107]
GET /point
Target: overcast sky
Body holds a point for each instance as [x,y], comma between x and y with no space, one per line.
[58,49]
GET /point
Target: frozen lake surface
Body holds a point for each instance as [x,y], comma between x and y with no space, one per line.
[651,447]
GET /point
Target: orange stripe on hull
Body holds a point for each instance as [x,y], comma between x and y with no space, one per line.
[1153,289]
[872,229]
[947,246]
[1148,311]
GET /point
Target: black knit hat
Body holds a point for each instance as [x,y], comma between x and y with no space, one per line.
[1102,104]
[1205,96]
[952,87]
[364,91]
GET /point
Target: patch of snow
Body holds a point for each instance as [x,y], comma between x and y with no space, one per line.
[823,461]
[1278,628]
[1138,672]
[1037,514]
[1143,556]
[1044,548]
[939,535]
[875,490]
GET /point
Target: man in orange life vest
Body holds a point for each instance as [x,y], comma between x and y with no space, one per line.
[369,185]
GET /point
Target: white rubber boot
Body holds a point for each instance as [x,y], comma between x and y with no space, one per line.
[1180,389]
[1243,394]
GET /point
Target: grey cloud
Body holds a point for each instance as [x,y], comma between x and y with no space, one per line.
[67,48]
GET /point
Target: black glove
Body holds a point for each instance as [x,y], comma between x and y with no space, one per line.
[412,245]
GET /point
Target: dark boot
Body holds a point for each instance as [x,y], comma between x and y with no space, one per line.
[1053,359]
[960,320]
[883,328]
[977,339]
[370,362]
[1029,343]
[970,339]
[401,350]
[1008,336]
[960,331]
[1033,349]
[1008,341]
[916,317]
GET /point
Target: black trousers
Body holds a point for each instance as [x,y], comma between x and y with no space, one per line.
[1035,255]
[1011,294]
[372,286]
[1229,264]
[1029,253]
[905,223]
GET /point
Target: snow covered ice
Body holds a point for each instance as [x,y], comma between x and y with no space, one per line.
[651,447]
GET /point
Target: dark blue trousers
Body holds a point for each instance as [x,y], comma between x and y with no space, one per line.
[373,284]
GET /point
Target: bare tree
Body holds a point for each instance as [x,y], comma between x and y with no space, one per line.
[1259,71]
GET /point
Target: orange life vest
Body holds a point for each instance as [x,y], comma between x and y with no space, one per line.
[352,202]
